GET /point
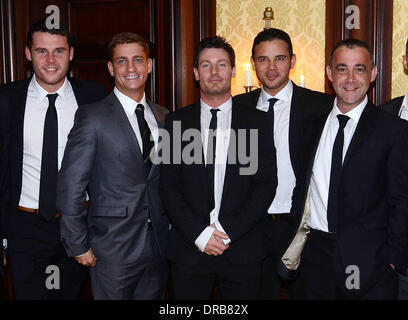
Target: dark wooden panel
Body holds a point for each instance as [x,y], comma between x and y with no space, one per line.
[96,71]
[100,20]
[93,23]
[375,29]
[193,20]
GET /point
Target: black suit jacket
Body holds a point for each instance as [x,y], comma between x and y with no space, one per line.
[245,198]
[13,98]
[393,106]
[305,105]
[373,203]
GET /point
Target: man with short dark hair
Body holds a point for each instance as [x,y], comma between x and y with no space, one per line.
[272,59]
[215,207]
[350,223]
[123,234]
[38,114]
[399,107]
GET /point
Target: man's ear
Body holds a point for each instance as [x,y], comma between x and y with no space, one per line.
[71,53]
[28,53]
[196,75]
[110,68]
[329,73]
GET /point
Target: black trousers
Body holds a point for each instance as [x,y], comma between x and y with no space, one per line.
[271,283]
[235,282]
[40,267]
[323,275]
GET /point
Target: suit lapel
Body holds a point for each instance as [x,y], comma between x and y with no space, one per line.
[159,121]
[119,117]
[19,102]
[365,126]
[196,124]
[295,113]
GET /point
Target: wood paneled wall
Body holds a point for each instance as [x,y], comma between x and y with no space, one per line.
[173,27]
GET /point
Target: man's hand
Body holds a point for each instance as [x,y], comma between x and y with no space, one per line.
[88,259]
[215,246]
[392,266]
[4,258]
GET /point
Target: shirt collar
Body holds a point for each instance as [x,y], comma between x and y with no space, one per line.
[285,94]
[63,92]
[405,102]
[225,107]
[128,103]
[353,114]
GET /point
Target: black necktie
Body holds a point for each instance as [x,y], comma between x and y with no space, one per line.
[211,144]
[49,162]
[335,173]
[146,134]
[271,114]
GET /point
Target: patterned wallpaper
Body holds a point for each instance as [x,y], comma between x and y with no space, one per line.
[304,20]
[399,38]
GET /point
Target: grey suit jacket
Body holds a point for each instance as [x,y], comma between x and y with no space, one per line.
[103,158]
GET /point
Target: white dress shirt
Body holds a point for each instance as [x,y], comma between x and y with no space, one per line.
[221,153]
[129,105]
[286,177]
[320,180]
[403,113]
[34,118]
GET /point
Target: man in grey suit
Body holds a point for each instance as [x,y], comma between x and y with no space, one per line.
[122,236]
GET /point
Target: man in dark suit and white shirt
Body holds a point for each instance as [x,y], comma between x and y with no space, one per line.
[350,204]
[37,115]
[272,59]
[123,234]
[399,107]
[216,209]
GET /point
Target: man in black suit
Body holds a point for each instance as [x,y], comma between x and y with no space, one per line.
[123,234]
[217,205]
[37,114]
[399,107]
[350,222]
[272,59]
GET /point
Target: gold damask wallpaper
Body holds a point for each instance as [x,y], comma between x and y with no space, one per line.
[399,38]
[304,20]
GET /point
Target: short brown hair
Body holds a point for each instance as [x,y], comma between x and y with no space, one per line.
[127,37]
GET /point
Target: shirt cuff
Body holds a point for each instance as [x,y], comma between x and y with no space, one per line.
[203,238]
[82,254]
[4,243]
[220,228]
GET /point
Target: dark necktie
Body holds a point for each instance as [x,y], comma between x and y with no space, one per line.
[146,135]
[49,162]
[211,144]
[335,173]
[271,113]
